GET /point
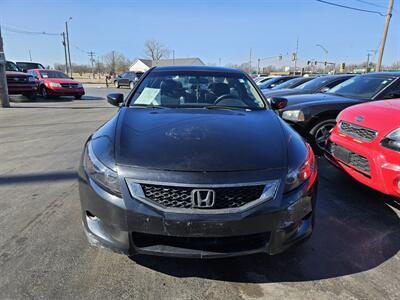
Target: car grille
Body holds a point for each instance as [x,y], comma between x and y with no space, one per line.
[17,79]
[350,158]
[69,85]
[180,197]
[357,131]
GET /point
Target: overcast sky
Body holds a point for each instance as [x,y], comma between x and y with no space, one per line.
[206,29]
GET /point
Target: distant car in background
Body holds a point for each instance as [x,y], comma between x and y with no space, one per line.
[292,83]
[25,66]
[55,83]
[260,79]
[314,116]
[316,85]
[126,79]
[367,148]
[274,81]
[19,82]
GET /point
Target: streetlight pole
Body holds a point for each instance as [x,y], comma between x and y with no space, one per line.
[4,100]
[69,52]
[384,36]
[326,55]
[65,52]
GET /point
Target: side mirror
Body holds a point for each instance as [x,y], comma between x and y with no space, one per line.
[278,102]
[115,99]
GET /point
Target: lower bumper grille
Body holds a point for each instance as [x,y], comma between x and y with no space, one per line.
[210,244]
[350,158]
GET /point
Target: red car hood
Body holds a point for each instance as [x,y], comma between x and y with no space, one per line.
[59,80]
[383,116]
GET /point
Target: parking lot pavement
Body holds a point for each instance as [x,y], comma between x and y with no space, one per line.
[354,252]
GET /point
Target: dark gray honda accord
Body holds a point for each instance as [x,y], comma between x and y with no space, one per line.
[197,164]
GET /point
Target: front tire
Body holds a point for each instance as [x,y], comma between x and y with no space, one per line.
[116,84]
[78,97]
[320,133]
[44,93]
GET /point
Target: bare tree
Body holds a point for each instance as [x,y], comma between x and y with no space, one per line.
[155,50]
[115,62]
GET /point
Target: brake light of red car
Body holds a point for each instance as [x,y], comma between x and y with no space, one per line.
[307,171]
[392,140]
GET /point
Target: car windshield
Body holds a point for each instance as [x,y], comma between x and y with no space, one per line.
[28,65]
[266,84]
[197,89]
[12,67]
[362,87]
[53,74]
[315,83]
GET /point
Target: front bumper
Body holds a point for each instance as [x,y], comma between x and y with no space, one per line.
[384,172]
[57,91]
[128,226]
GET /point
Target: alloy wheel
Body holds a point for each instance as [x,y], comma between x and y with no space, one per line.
[322,134]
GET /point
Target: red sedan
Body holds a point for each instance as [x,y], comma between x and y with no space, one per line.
[57,83]
[366,144]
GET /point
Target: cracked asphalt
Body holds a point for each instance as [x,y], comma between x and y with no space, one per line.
[353,253]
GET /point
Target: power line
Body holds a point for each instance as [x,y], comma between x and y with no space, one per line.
[352,8]
[372,4]
[22,31]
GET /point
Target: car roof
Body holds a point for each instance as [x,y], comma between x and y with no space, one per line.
[197,69]
[389,74]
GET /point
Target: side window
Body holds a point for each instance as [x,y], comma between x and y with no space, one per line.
[391,92]
[335,83]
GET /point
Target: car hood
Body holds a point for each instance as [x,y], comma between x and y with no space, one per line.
[12,74]
[199,140]
[318,98]
[284,92]
[371,114]
[60,80]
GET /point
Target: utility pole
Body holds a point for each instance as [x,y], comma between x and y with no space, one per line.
[173,57]
[5,101]
[384,36]
[250,63]
[65,53]
[258,66]
[219,61]
[368,55]
[295,56]
[326,55]
[30,55]
[69,53]
[91,54]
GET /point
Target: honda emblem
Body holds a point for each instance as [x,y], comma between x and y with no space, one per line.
[203,198]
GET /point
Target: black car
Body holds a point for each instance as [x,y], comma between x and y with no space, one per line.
[126,79]
[28,65]
[196,164]
[274,81]
[313,116]
[292,83]
[316,85]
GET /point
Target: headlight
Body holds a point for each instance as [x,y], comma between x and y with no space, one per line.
[30,78]
[308,170]
[96,170]
[54,84]
[293,115]
[80,85]
[392,140]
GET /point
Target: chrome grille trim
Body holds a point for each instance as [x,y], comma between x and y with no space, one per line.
[357,131]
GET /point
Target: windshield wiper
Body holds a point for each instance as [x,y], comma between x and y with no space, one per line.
[226,107]
[148,106]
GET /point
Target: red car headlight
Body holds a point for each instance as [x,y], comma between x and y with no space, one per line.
[392,140]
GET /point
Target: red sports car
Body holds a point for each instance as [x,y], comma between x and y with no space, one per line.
[57,83]
[366,144]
